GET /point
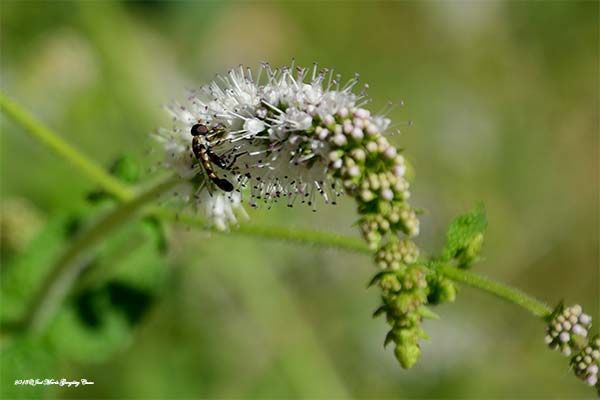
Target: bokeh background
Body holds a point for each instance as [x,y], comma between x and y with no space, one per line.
[504,99]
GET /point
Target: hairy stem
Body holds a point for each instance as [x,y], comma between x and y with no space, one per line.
[66,270]
[328,240]
[502,291]
[46,136]
[299,236]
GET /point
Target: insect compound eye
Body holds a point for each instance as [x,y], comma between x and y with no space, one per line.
[199,129]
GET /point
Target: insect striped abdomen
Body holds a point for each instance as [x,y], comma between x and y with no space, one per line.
[204,156]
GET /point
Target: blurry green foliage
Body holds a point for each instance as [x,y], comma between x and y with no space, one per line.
[120,282]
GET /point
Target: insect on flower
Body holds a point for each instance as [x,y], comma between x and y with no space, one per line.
[202,137]
[291,134]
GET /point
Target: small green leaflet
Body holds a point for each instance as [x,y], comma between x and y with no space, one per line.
[464,238]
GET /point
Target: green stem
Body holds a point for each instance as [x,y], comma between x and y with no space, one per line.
[61,277]
[46,136]
[299,236]
[328,240]
[504,292]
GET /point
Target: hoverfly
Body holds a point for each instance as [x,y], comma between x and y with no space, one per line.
[201,137]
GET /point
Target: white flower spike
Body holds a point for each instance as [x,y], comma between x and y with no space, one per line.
[282,134]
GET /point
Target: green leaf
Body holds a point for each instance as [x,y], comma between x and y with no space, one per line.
[25,358]
[389,338]
[126,169]
[380,310]
[427,313]
[23,276]
[121,284]
[378,277]
[464,238]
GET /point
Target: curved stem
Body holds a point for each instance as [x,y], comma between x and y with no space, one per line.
[328,240]
[299,236]
[45,135]
[504,292]
[64,272]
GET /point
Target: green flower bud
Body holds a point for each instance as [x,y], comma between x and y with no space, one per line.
[441,289]
[407,354]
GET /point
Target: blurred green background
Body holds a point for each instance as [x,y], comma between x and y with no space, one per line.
[504,99]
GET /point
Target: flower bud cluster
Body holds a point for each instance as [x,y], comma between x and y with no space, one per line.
[405,293]
[396,253]
[371,170]
[586,364]
[391,219]
[568,326]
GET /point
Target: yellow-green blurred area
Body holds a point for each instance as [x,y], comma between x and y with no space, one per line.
[504,100]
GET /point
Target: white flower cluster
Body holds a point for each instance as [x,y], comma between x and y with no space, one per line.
[566,328]
[586,363]
[281,133]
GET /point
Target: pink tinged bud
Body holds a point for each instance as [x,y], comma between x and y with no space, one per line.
[340,140]
[387,194]
[354,171]
[329,120]
[358,122]
[357,133]
[399,170]
[592,380]
[579,330]
[337,164]
[566,351]
[372,129]
[362,113]
[343,112]
[593,369]
[323,134]
[585,319]
[348,127]
[261,113]
[390,152]
[564,337]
